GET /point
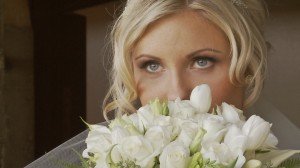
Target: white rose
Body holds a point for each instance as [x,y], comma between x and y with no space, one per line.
[101,161]
[215,128]
[221,153]
[138,149]
[181,109]
[118,134]
[98,140]
[158,136]
[145,116]
[201,98]
[257,131]
[175,155]
[188,132]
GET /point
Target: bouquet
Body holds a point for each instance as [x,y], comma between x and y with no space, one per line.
[184,134]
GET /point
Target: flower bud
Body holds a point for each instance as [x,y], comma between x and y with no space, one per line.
[253,164]
[201,98]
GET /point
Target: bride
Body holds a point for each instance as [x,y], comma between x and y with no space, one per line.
[165,48]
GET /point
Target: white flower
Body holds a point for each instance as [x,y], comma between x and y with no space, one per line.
[158,136]
[118,134]
[201,98]
[235,139]
[146,117]
[221,153]
[189,130]
[175,155]
[138,149]
[257,131]
[120,121]
[215,128]
[101,160]
[232,114]
[253,164]
[181,108]
[271,141]
[98,140]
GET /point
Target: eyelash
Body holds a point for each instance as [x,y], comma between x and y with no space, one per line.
[206,58]
[145,65]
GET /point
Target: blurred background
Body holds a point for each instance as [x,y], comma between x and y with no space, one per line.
[53,70]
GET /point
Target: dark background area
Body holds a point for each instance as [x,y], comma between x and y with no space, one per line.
[59,37]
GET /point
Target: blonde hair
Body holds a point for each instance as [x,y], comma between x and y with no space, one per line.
[242,21]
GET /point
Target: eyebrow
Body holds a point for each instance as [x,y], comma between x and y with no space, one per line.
[189,55]
[203,50]
[147,55]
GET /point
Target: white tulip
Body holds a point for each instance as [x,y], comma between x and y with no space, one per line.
[257,131]
[271,141]
[201,98]
[175,155]
[232,114]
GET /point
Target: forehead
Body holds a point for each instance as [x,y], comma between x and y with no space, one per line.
[186,28]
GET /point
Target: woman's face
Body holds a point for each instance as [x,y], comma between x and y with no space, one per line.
[179,52]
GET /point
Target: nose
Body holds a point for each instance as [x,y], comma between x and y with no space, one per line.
[179,85]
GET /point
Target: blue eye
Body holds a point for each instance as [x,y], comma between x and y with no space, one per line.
[153,67]
[203,62]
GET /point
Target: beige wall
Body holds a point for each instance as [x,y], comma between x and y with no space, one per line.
[283,82]
[280,99]
[99,19]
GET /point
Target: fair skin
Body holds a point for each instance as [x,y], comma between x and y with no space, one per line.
[179,52]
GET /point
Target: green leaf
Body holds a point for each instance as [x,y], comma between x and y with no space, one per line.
[87,124]
[291,163]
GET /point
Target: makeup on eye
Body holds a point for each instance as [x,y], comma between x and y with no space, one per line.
[151,66]
[203,62]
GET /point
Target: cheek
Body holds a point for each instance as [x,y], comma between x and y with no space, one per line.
[148,89]
[225,91]
[222,89]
